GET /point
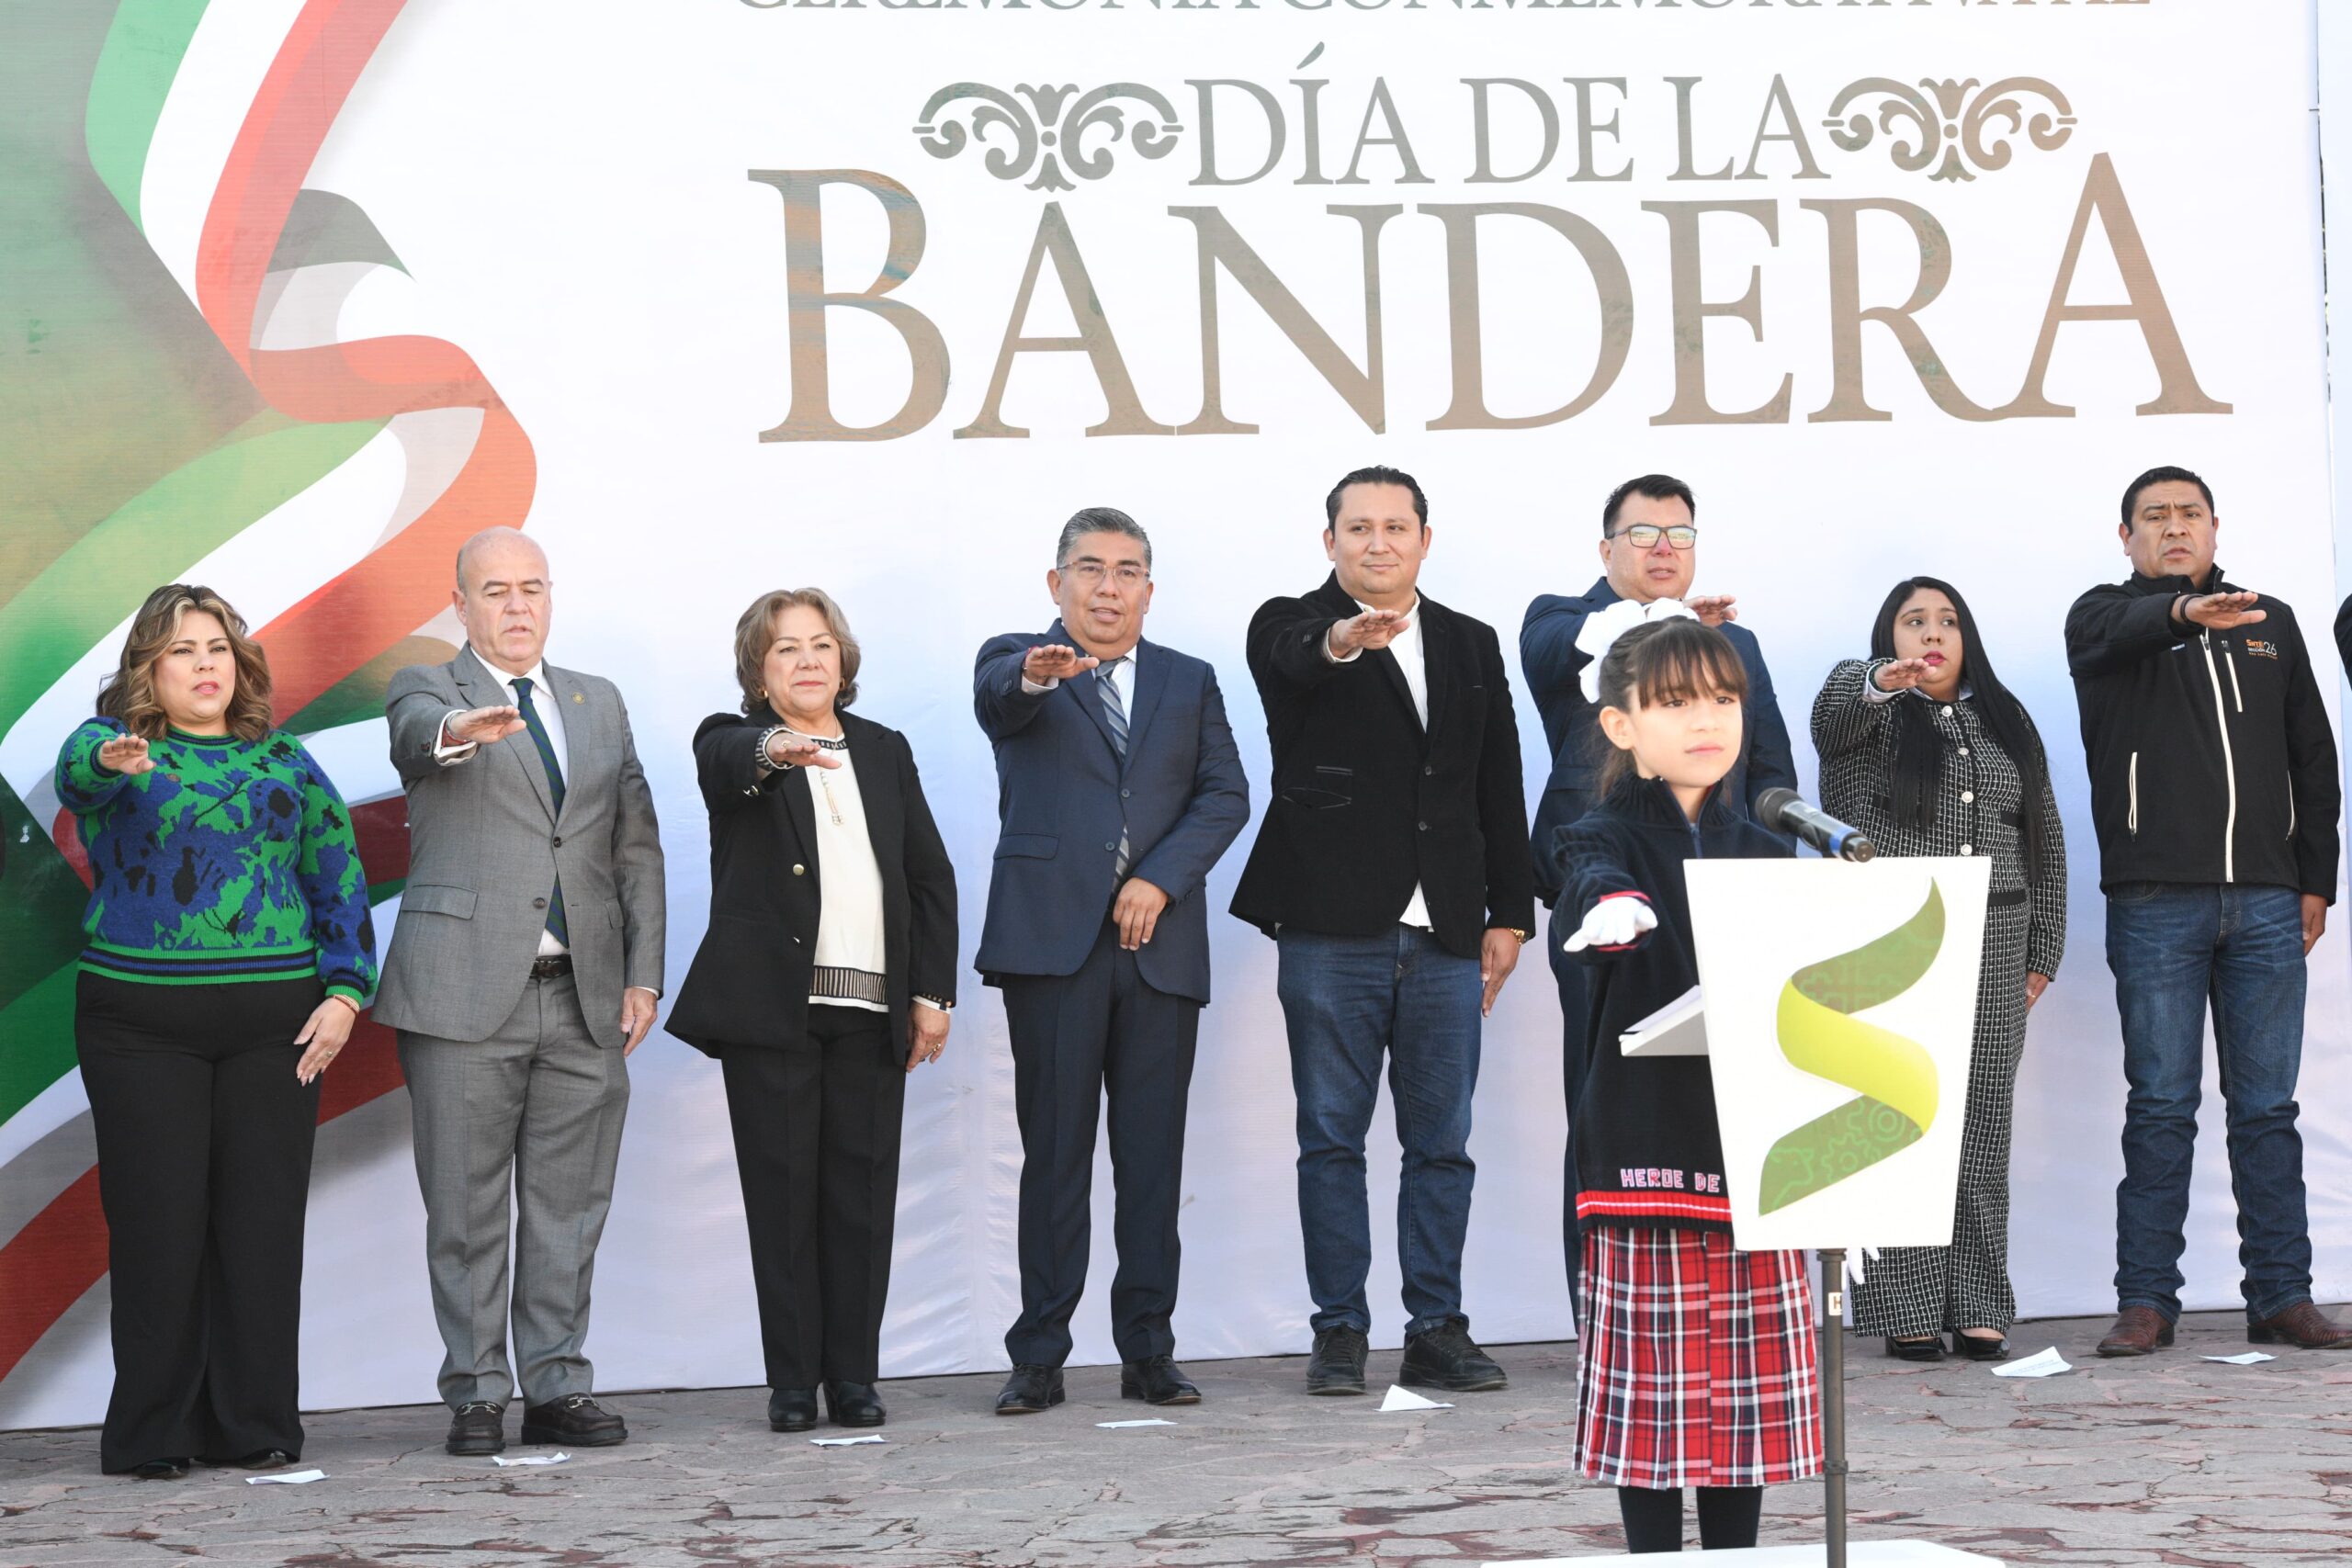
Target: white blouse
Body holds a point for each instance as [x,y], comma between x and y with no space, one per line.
[850,934]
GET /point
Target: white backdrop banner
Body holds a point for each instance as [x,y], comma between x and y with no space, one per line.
[739,295]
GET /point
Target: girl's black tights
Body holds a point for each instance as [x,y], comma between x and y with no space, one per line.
[1728,1518]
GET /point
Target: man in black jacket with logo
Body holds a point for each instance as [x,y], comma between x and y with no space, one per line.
[1391,870]
[2213,788]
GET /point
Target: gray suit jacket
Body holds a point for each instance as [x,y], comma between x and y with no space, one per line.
[486,845]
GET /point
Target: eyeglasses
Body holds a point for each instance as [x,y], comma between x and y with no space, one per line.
[1088,574]
[1646,536]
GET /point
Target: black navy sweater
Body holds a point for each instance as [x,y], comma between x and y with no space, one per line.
[1646,1148]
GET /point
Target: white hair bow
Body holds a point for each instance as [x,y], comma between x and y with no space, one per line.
[1602,630]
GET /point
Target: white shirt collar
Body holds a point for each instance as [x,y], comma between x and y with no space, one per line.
[536,675]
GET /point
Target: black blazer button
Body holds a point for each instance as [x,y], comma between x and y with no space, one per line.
[538,903]
[557,843]
[1425,826]
[1113,848]
[1123,794]
[1428,769]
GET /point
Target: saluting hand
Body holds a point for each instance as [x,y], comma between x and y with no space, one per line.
[126,754]
[1901,675]
[1712,609]
[1054,662]
[480,727]
[1374,628]
[2220,612]
[788,750]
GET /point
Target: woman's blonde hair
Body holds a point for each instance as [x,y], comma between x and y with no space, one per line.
[128,694]
[756,629]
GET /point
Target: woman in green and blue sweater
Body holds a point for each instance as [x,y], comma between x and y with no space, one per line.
[229,953]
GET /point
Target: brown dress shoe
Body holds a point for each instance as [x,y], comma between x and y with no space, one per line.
[2302,1325]
[2137,1331]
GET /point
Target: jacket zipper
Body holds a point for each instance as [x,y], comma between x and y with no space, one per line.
[2131,819]
[2229,762]
[2236,695]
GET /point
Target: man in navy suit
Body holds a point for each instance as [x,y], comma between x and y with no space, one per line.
[1649,551]
[1118,786]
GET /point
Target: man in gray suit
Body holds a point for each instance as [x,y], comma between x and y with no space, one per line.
[523,971]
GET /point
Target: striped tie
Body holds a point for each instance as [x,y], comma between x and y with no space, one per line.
[539,729]
[1114,710]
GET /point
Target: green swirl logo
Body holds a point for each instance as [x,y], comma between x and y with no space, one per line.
[1894,1077]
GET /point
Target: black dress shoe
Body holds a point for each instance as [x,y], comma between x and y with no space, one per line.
[1157,1381]
[267,1458]
[1916,1348]
[1335,1365]
[1976,1348]
[161,1470]
[1447,1358]
[792,1409]
[1029,1390]
[576,1419]
[477,1428]
[854,1404]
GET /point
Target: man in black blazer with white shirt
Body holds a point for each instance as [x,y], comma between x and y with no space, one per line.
[1391,870]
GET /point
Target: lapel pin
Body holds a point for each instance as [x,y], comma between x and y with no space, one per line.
[577,698]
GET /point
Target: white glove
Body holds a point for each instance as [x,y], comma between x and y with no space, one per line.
[1613,923]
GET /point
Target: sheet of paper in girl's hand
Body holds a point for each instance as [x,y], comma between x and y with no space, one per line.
[1678,1029]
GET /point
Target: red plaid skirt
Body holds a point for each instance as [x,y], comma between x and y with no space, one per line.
[1697,1366]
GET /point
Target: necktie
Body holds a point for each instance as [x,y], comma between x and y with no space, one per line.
[531,722]
[1114,710]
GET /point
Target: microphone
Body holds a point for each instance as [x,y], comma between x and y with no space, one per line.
[1788,812]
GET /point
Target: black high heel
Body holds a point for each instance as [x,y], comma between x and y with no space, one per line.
[1977,1349]
[1925,1347]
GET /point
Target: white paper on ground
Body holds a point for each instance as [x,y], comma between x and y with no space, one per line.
[1406,1399]
[841,1442]
[2049,1363]
[292,1478]
[1154,1421]
[556,1458]
[2245,1359]
[1678,1029]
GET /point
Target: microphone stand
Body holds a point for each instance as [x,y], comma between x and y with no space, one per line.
[1833,1403]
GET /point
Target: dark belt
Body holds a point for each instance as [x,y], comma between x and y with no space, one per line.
[553,967]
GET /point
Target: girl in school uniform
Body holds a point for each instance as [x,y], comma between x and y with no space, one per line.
[1697,1366]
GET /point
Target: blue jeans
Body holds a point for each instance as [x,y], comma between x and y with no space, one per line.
[2174,947]
[1346,1002]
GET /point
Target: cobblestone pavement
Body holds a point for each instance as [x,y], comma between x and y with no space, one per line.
[2173,1459]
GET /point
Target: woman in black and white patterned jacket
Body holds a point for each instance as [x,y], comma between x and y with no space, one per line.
[1925,751]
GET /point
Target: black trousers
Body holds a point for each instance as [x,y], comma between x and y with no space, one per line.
[817,1127]
[1575,1009]
[1074,1037]
[204,1171]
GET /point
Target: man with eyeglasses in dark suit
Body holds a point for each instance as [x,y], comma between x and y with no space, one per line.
[1649,553]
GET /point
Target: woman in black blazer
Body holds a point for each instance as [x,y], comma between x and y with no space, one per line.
[826,976]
